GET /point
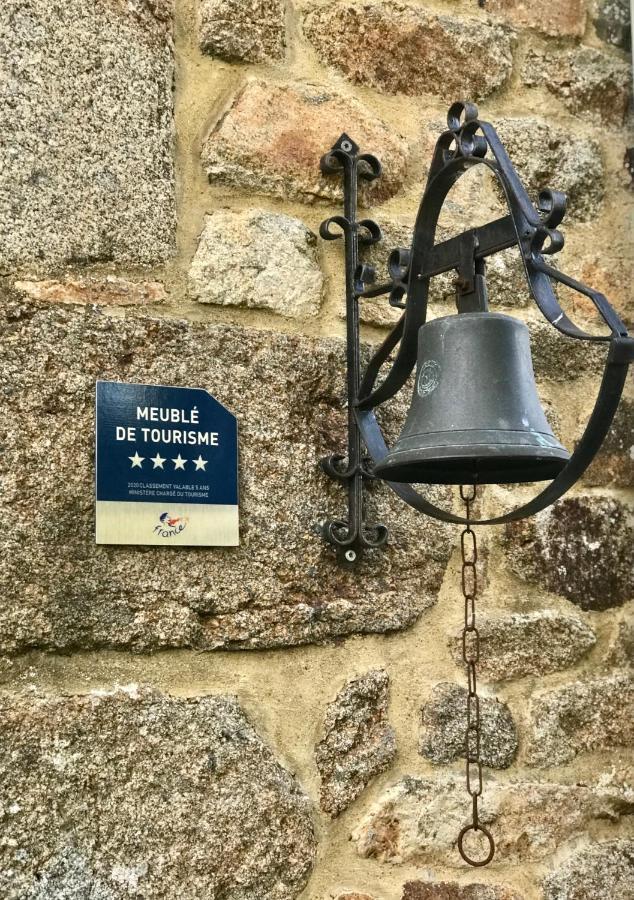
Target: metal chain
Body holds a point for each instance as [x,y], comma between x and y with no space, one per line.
[471,657]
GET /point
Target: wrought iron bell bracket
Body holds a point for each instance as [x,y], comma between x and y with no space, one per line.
[467,142]
[351,536]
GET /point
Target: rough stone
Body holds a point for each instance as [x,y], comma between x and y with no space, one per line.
[481,54]
[103,793]
[417,821]
[547,156]
[621,652]
[451,890]
[603,870]
[358,741]
[596,714]
[614,464]
[506,280]
[282,586]
[259,259]
[589,82]
[108,291]
[86,107]
[612,21]
[581,548]
[444,723]
[273,136]
[564,18]
[560,358]
[247,32]
[612,275]
[534,643]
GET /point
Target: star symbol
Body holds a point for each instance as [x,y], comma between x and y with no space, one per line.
[136,460]
[179,462]
[158,461]
[200,463]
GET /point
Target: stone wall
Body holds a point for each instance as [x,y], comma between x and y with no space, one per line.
[257,722]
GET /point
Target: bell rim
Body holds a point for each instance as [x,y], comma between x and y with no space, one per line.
[459,443]
[514,464]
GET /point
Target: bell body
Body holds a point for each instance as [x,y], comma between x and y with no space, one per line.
[475,415]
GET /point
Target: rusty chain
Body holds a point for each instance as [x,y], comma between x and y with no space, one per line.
[471,656]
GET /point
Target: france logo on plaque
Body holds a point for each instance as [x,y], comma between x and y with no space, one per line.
[166,467]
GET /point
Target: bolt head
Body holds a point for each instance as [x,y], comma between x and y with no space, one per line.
[350,555]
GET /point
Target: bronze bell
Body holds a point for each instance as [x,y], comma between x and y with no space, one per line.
[475,416]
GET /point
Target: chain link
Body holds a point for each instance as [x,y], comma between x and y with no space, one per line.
[471,656]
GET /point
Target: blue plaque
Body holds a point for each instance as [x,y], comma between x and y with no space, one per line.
[166,467]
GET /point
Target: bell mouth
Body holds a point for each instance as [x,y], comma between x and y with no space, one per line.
[490,463]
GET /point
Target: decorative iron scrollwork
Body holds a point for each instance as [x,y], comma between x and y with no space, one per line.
[352,536]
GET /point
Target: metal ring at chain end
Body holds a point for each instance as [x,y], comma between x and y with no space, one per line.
[476,862]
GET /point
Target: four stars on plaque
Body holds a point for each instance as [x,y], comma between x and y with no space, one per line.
[137,461]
